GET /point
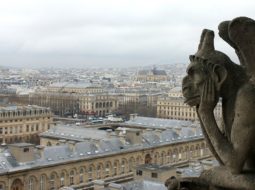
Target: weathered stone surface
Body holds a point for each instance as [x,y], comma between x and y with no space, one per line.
[211,75]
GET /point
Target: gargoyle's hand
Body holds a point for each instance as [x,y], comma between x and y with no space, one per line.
[209,97]
[172,183]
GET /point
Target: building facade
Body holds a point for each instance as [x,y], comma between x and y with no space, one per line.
[173,107]
[112,158]
[75,87]
[62,104]
[153,75]
[23,123]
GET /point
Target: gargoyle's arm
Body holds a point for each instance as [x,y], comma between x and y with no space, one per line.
[208,141]
[218,141]
[232,153]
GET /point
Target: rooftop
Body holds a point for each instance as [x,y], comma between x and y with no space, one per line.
[92,143]
[140,185]
[157,123]
[22,108]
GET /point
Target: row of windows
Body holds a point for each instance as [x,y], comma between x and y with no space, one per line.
[21,129]
[104,104]
[90,172]
[190,114]
[21,120]
[24,113]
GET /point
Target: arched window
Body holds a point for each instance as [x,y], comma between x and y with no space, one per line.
[42,182]
[131,164]
[52,182]
[123,163]
[115,168]
[31,183]
[81,175]
[107,169]
[71,177]
[90,173]
[62,179]
[1,187]
[156,158]
[162,160]
[49,143]
[98,171]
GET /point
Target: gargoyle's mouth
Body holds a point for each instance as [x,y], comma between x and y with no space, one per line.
[192,101]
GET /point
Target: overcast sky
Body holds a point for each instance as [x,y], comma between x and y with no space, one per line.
[82,33]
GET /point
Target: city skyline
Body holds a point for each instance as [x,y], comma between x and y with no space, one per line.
[109,34]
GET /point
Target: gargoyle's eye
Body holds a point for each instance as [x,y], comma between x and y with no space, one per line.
[190,71]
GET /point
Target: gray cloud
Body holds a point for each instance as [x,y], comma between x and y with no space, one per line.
[109,33]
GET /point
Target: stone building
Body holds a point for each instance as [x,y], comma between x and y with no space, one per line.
[153,75]
[60,103]
[67,103]
[75,87]
[23,123]
[173,107]
[98,104]
[101,155]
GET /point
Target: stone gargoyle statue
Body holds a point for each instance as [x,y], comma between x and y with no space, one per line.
[211,75]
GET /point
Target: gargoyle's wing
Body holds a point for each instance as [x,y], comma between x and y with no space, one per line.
[240,34]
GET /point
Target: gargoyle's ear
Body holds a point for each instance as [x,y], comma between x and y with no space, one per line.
[219,75]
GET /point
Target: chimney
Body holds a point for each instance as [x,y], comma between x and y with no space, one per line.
[23,152]
[62,142]
[71,145]
[133,116]
[109,133]
[134,136]
[115,186]
[40,149]
[99,184]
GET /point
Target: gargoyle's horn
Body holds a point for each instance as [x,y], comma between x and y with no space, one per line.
[206,46]
[207,41]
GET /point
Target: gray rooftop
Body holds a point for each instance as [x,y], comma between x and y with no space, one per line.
[22,108]
[154,167]
[74,85]
[141,185]
[92,143]
[76,133]
[157,123]
[21,145]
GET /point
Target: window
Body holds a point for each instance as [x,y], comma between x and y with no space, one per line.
[154,175]
[52,182]
[62,179]
[71,177]
[98,172]
[123,167]
[90,173]
[81,175]
[115,169]
[107,170]
[42,182]
[139,172]
[31,184]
